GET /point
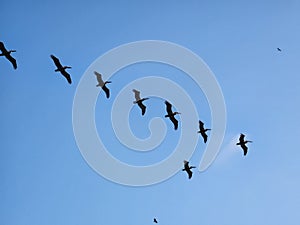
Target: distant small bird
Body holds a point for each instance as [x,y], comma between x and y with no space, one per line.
[155,220]
[243,143]
[102,84]
[61,69]
[8,55]
[202,131]
[139,100]
[278,49]
[188,168]
[171,114]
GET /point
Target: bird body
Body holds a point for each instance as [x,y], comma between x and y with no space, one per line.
[188,168]
[278,49]
[139,100]
[243,143]
[171,114]
[155,220]
[7,55]
[102,84]
[61,69]
[202,131]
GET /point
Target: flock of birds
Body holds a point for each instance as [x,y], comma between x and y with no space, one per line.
[138,100]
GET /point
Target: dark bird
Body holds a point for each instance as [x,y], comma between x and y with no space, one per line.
[139,100]
[202,131]
[102,84]
[155,220]
[62,69]
[171,114]
[278,49]
[7,55]
[188,168]
[243,143]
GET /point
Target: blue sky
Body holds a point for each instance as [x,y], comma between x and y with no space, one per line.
[44,178]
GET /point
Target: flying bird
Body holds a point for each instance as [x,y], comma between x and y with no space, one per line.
[202,131]
[188,168]
[243,143]
[139,100]
[171,114]
[7,55]
[62,69]
[155,220]
[102,84]
[278,49]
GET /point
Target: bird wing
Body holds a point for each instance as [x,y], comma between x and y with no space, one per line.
[137,94]
[99,77]
[168,107]
[204,135]
[106,90]
[12,60]
[2,48]
[245,149]
[201,125]
[190,173]
[174,121]
[142,106]
[56,61]
[67,76]
[241,139]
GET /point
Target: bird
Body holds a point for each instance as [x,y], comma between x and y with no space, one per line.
[202,131]
[243,143]
[139,100]
[278,49]
[102,84]
[171,114]
[7,55]
[188,168]
[61,69]
[155,220]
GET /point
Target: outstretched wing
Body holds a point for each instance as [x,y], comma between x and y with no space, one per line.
[137,94]
[106,90]
[67,76]
[12,60]
[2,48]
[201,125]
[242,138]
[168,107]
[245,149]
[56,61]
[204,135]
[142,106]
[174,121]
[99,77]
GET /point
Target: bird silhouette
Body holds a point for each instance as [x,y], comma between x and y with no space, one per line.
[155,220]
[61,69]
[171,114]
[278,49]
[139,100]
[202,131]
[243,143]
[188,168]
[102,84]
[7,55]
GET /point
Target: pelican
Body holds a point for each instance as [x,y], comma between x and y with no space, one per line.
[202,131]
[243,143]
[139,100]
[278,49]
[188,168]
[171,114]
[61,69]
[7,55]
[155,220]
[102,84]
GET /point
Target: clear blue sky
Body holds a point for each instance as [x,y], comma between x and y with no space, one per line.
[46,181]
